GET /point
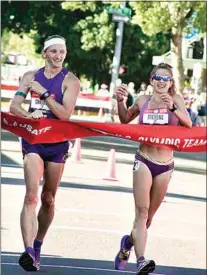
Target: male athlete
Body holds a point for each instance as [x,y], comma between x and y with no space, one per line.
[54,91]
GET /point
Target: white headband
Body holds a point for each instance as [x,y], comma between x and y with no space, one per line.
[53,41]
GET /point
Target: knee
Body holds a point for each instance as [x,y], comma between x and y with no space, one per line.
[31,200]
[48,200]
[141,213]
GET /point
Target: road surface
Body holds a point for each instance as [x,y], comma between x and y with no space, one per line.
[92,214]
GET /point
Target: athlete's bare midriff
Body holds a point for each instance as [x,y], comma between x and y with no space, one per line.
[157,153]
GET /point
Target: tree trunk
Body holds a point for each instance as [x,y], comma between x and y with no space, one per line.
[177,62]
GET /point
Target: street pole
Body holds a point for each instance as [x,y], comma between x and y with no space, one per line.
[117,54]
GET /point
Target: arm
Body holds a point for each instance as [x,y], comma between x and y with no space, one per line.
[125,115]
[71,87]
[181,113]
[16,103]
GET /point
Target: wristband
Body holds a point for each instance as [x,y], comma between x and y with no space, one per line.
[45,95]
[174,108]
[21,94]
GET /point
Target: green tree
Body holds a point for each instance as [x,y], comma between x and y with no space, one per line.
[98,32]
[47,18]
[174,17]
[90,36]
[11,42]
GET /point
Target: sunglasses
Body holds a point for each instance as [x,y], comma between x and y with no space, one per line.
[159,77]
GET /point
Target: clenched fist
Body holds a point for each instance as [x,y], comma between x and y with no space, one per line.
[36,114]
[168,100]
[121,93]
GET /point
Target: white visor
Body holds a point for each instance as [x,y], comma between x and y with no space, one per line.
[53,41]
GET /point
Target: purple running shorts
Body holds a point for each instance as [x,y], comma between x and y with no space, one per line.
[52,152]
[155,169]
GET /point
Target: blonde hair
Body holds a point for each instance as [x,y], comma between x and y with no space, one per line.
[167,67]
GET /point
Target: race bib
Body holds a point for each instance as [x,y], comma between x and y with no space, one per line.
[37,103]
[156,116]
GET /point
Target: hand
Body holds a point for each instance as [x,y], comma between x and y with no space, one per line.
[121,92]
[36,87]
[37,114]
[168,100]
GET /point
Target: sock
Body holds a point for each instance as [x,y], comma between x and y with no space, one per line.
[140,260]
[30,250]
[128,244]
[37,245]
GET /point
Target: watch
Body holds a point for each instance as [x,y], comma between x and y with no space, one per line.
[45,95]
[174,108]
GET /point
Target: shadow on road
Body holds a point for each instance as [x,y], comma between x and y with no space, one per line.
[103,187]
[7,160]
[62,266]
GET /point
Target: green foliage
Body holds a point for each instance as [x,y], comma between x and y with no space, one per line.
[90,36]
[79,5]
[96,31]
[155,17]
[199,20]
[177,18]
[11,42]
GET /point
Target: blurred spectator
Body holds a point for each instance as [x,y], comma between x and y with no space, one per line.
[202,110]
[149,90]
[143,88]
[192,113]
[132,96]
[118,82]
[131,88]
[103,91]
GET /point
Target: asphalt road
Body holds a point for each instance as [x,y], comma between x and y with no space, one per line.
[92,214]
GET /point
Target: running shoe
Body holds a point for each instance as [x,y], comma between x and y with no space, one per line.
[27,260]
[145,267]
[123,255]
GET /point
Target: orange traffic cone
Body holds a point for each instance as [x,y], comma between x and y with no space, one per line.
[100,113]
[111,167]
[76,152]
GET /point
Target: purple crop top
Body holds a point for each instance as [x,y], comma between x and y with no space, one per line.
[159,116]
[54,85]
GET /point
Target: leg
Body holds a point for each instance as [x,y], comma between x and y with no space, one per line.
[142,182]
[158,192]
[33,170]
[52,177]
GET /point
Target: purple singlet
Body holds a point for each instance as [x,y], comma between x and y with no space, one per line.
[158,116]
[54,85]
[51,152]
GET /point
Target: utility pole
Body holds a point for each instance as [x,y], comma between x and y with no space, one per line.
[117,53]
